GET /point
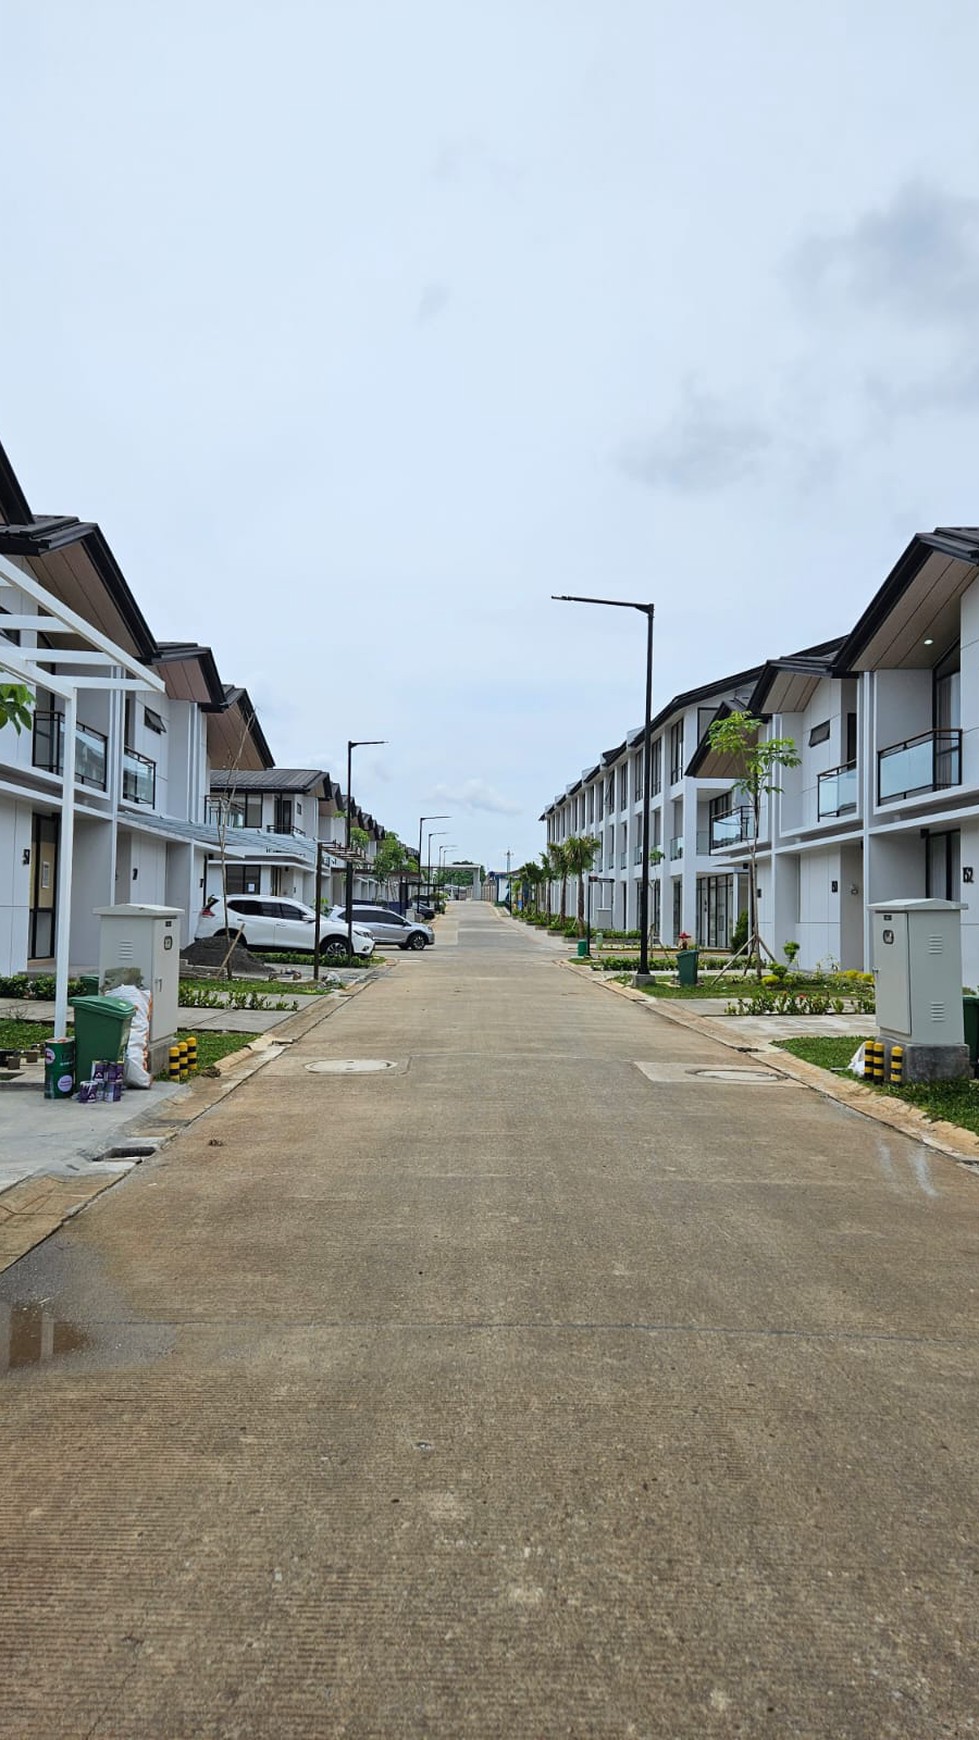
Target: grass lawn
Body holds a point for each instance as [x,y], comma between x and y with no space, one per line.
[210,1046]
[955,1102]
[24,1033]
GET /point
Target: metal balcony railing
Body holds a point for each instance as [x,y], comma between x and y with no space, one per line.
[138,778]
[837,791]
[732,828]
[91,750]
[930,762]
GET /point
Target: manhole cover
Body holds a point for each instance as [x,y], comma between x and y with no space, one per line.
[763,1076]
[351,1066]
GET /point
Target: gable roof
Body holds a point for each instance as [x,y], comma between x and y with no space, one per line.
[919,597]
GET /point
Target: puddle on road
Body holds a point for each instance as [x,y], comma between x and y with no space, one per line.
[34,1335]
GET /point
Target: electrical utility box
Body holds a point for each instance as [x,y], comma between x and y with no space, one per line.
[918,968]
[140,945]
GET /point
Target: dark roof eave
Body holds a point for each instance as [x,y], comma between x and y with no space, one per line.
[962,545]
[43,536]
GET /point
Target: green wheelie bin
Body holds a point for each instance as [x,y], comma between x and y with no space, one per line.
[101,1031]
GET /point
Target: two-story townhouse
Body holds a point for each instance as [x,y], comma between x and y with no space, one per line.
[688,892]
[127,826]
[915,653]
[273,821]
[808,846]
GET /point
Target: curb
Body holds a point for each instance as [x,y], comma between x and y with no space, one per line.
[959,1145]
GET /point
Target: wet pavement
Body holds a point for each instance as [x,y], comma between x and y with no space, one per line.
[540,1367]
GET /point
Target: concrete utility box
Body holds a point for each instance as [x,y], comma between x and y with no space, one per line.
[918,968]
[140,945]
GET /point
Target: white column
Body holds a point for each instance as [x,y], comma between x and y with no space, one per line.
[66,847]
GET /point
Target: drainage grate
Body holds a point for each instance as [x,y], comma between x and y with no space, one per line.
[351,1066]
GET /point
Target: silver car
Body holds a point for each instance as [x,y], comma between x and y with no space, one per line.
[388,927]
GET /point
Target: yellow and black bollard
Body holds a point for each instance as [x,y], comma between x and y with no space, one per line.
[873,1060]
[192,1052]
[896,1073]
[173,1063]
[184,1065]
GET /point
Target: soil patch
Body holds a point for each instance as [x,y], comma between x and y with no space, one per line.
[209,952]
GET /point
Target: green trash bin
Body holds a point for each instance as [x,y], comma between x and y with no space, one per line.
[89,984]
[582,949]
[59,1069]
[101,1031]
[970,1021]
[686,966]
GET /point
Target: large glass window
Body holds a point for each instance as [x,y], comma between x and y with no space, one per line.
[656,766]
[676,752]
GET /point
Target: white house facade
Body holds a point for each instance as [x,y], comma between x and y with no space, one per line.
[884,804]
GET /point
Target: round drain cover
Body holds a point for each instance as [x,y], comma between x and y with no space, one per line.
[764,1076]
[351,1066]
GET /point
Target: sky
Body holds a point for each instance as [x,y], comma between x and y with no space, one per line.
[363,326]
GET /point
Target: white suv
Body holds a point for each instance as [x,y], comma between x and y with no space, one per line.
[386,926]
[268,922]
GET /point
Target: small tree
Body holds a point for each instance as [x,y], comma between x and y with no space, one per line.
[16,702]
[558,854]
[392,859]
[579,853]
[756,760]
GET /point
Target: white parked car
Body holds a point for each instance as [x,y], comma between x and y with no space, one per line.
[269,922]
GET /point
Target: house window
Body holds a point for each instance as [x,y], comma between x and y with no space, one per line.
[243,878]
[637,777]
[655,766]
[676,752]
[947,693]
[714,911]
[253,809]
[942,866]
[851,738]
[623,785]
[819,734]
[677,908]
[705,719]
[153,722]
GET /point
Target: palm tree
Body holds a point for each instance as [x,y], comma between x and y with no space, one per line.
[560,870]
[547,877]
[579,853]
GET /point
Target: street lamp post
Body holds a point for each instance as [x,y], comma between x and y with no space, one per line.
[647,610]
[348,876]
[433,834]
[446,846]
[421,822]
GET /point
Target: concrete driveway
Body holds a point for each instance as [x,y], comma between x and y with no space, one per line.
[551,1379]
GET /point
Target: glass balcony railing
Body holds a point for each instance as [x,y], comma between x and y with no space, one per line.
[138,778]
[930,762]
[676,846]
[703,842]
[732,828]
[90,750]
[837,791]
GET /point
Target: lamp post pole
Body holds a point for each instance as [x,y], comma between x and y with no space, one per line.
[647,610]
[433,834]
[446,846]
[421,821]
[348,875]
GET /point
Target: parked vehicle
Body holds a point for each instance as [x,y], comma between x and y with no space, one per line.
[386,926]
[267,922]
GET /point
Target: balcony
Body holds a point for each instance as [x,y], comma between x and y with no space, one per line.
[676,846]
[91,757]
[138,778]
[931,762]
[623,860]
[732,828]
[837,791]
[703,842]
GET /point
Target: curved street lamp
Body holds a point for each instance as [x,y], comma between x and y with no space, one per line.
[648,611]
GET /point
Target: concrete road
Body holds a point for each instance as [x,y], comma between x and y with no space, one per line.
[511,1390]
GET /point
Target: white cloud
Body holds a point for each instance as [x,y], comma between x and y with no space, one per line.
[476,794]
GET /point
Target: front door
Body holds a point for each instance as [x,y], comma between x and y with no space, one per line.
[44,884]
